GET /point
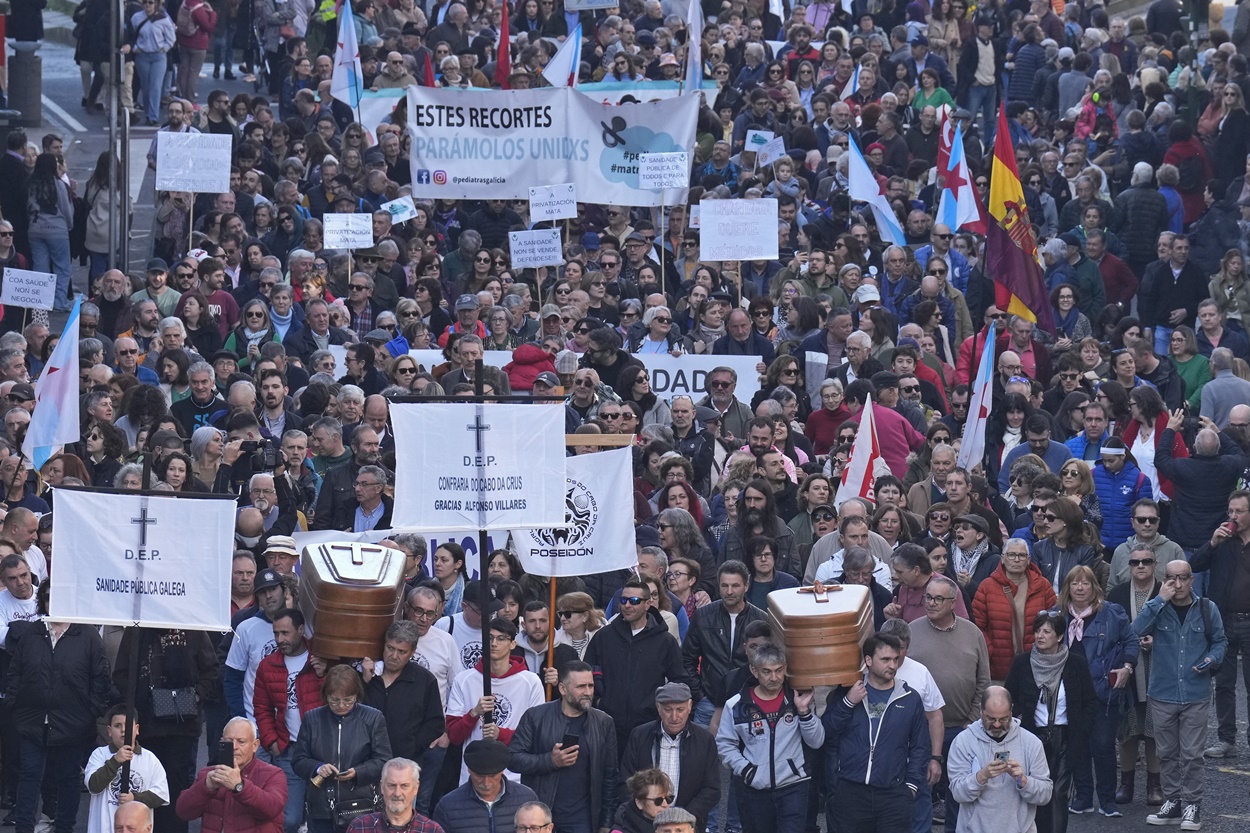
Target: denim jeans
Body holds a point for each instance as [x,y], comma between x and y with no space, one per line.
[51,254]
[1098,762]
[1163,336]
[293,815]
[1238,633]
[702,715]
[783,810]
[62,764]
[150,67]
[984,100]
[431,764]
[223,44]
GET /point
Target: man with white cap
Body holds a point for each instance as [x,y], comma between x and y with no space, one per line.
[281,554]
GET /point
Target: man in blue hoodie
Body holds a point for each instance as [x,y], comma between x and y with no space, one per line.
[874,777]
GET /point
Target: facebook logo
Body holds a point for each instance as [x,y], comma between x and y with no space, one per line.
[423,177]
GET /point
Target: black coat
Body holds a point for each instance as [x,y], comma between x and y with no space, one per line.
[698,784]
[540,729]
[67,688]
[628,670]
[301,343]
[356,741]
[707,653]
[1214,233]
[1078,689]
[413,709]
[193,664]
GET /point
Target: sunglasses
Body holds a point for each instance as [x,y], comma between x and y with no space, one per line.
[822,516]
[662,320]
[1050,516]
[662,800]
[908,388]
[1140,562]
[939,516]
[1146,519]
[633,600]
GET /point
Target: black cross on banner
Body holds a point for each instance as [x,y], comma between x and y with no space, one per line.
[477,427]
[143,521]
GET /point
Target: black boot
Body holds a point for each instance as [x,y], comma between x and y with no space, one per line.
[1124,795]
[1154,790]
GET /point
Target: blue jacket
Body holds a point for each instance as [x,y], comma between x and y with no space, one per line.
[1109,643]
[1179,647]
[960,269]
[1117,493]
[1078,444]
[897,754]
[1056,455]
[461,810]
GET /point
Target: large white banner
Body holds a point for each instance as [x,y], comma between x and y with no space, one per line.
[495,144]
[478,466]
[686,375]
[129,559]
[599,535]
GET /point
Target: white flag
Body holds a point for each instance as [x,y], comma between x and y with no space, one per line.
[128,559]
[55,420]
[599,537]
[561,70]
[972,447]
[346,83]
[866,463]
[694,47]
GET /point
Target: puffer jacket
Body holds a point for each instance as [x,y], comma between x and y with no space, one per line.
[358,740]
[1142,213]
[270,698]
[528,360]
[1055,563]
[765,755]
[1116,495]
[255,809]
[994,606]
[1109,642]
[56,696]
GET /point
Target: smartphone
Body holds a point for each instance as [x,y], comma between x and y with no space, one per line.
[568,741]
[1204,665]
[225,753]
[1002,756]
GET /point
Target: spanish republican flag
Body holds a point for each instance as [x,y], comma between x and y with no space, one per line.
[1010,246]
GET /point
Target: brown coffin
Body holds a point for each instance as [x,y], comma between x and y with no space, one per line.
[823,635]
[350,594]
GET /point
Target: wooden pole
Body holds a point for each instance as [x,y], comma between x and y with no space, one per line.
[663,226]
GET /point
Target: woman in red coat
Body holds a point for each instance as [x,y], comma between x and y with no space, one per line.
[1184,147]
[1006,603]
[1141,437]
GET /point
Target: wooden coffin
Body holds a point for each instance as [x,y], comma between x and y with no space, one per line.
[350,594]
[823,635]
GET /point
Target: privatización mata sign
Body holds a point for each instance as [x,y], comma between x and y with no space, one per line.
[478,466]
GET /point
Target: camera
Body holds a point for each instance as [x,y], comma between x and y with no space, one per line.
[264,456]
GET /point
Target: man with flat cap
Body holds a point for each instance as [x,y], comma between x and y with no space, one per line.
[488,801]
[675,820]
[683,749]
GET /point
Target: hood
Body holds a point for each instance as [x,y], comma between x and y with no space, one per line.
[515,666]
[982,737]
[532,354]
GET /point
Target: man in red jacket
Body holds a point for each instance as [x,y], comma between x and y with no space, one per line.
[290,669]
[247,797]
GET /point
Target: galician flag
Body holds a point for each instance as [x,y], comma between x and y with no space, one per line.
[694,47]
[347,82]
[561,70]
[866,463]
[852,86]
[55,419]
[864,188]
[972,449]
[959,207]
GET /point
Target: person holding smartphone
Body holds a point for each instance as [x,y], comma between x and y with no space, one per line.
[1179,692]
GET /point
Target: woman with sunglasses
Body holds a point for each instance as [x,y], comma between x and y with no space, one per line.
[579,335]
[938,524]
[635,386]
[1077,484]
[1053,694]
[1193,368]
[254,330]
[1148,419]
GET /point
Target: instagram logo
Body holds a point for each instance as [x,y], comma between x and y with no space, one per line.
[440,177]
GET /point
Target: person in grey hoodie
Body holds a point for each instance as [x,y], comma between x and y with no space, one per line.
[51,211]
[998,771]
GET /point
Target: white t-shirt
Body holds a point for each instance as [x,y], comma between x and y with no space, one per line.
[253,641]
[514,694]
[438,653]
[37,563]
[294,665]
[468,639]
[147,774]
[918,677]
[15,610]
[831,569]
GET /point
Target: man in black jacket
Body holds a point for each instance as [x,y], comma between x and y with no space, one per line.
[405,693]
[337,499]
[631,657]
[566,753]
[686,752]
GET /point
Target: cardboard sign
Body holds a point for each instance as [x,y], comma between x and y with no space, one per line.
[738,229]
[553,202]
[34,290]
[663,170]
[756,139]
[773,150]
[348,231]
[195,162]
[402,210]
[531,249]
[695,218]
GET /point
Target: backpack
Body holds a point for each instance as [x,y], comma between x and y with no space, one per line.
[186,23]
[1190,171]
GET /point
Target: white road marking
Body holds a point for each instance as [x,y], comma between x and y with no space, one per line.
[70,122]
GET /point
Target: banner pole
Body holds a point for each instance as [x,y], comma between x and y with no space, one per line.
[551,632]
[483,555]
[663,235]
[191,223]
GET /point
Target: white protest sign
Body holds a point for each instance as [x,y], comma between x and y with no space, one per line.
[695,218]
[686,375]
[348,231]
[540,247]
[402,210]
[339,351]
[126,559]
[664,170]
[771,151]
[22,288]
[756,139]
[738,229]
[431,358]
[478,466]
[196,162]
[553,202]
[600,526]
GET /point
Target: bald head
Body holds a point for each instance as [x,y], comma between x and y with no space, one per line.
[1239,415]
[996,697]
[1207,443]
[132,817]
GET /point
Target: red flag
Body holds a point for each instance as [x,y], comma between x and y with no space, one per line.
[503,57]
[946,135]
[427,75]
[1010,246]
[866,463]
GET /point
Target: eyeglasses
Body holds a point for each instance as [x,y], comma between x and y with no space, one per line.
[341,702]
[663,526]
[1140,562]
[1170,577]
[930,599]
[1146,519]
[632,600]
[533,828]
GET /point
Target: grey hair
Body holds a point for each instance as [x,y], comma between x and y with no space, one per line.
[403,763]
[1054,247]
[87,308]
[200,440]
[899,628]
[661,558]
[201,367]
[171,321]
[649,315]
[351,393]
[375,471]
[1221,359]
[414,542]
[89,346]
[768,655]
[251,725]
[536,805]
[403,631]
[125,471]
[857,558]
[469,239]
[835,383]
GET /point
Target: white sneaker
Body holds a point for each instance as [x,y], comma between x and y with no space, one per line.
[1220,749]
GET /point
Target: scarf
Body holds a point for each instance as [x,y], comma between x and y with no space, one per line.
[1076,628]
[282,323]
[968,560]
[1067,323]
[1048,674]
